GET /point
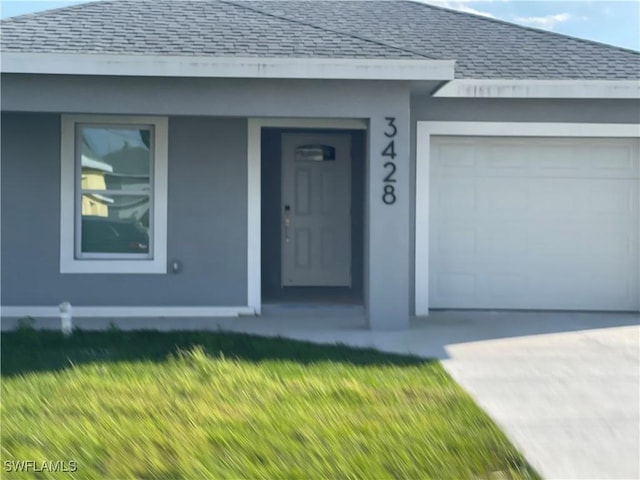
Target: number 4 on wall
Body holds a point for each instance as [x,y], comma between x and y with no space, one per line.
[390,150]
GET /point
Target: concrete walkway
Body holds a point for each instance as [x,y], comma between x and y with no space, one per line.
[563,386]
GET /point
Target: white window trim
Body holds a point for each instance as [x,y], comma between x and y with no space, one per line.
[425,130]
[68,262]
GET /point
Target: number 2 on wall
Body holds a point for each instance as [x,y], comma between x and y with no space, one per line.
[389,191]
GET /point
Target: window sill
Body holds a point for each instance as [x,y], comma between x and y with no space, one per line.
[114,266]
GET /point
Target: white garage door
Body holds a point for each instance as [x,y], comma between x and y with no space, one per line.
[534,223]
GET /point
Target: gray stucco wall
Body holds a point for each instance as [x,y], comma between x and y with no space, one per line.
[386,227]
[207,228]
[524,110]
[200,96]
[207,178]
[424,108]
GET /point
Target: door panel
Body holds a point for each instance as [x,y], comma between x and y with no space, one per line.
[534,223]
[316,209]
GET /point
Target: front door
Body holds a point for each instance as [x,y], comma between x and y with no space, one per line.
[316,209]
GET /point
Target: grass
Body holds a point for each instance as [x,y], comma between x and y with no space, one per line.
[216,405]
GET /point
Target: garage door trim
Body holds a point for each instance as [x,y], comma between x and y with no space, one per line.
[425,130]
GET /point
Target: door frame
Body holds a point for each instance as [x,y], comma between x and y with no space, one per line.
[425,130]
[254,195]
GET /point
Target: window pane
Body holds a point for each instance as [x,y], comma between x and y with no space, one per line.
[117,158]
[315,153]
[115,224]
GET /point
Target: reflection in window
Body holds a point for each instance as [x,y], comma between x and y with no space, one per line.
[125,228]
[115,164]
[315,153]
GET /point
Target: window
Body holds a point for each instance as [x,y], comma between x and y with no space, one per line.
[113,194]
[315,153]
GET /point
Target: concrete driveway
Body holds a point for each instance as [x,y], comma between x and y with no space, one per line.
[569,400]
[563,386]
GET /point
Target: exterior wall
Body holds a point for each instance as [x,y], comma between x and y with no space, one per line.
[207,228]
[424,108]
[201,96]
[208,179]
[386,229]
[208,173]
[524,110]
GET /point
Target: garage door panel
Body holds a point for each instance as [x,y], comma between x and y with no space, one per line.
[614,197]
[456,199]
[567,244]
[560,159]
[451,285]
[532,198]
[497,198]
[608,292]
[503,286]
[455,240]
[558,198]
[613,160]
[511,241]
[458,157]
[508,235]
[506,159]
[612,246]
[505,291]
[556,289]
[536,157]
[560,243]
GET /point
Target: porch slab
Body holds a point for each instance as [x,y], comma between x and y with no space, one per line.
[564,386]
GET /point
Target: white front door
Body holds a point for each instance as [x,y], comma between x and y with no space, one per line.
[316,209]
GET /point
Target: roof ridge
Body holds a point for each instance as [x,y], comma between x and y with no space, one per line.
[523,27]
[309,24]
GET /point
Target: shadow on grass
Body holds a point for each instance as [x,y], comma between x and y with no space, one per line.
[29,350]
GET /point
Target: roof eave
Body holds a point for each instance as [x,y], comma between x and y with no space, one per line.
[560,88]
[227,67]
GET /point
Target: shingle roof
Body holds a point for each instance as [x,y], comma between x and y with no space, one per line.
[482,47]
[204,27]
[379,29]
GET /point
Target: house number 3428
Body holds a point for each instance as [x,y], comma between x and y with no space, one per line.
[389,190]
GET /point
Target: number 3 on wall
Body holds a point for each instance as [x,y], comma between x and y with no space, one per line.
[390,122]
[389,191]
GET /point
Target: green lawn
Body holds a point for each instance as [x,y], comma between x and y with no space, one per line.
[216,405]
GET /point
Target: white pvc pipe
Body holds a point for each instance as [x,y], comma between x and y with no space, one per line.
[66,323]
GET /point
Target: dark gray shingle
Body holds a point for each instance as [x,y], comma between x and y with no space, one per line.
[156,27]
[482,47]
